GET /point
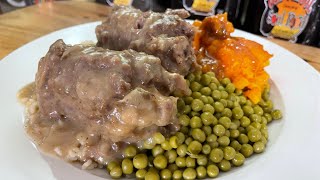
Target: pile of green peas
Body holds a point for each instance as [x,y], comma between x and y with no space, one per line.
[220,128]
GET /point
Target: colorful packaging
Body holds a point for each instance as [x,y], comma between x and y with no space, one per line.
[201,7]
[285,19]
[120,2]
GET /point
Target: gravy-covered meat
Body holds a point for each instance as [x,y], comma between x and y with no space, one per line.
[165,35]
[103,97]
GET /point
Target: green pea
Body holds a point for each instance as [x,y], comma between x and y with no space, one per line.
[195,86]
[197,105]
[230,104]
[171,155]
[230,88]
[211,138]
[116,172]
[254,135]
[187,100]
[166,145]
[226,112]
[141,173]
[224,95]
[198,134]
[224,141]
[255,118]
[190,162]
[181,162]
[224,102]
[237,113]
[206,149]
[268,117]
[188,140]
[177,174]
[243,139]
[184,130]
[227,133]
[205,91]
[229,153]
[172,167]
[204,99]
[189,173]
[207,130]
[245,121]
[216,94]
[246,150]
[258,110]
[215,80]
[159,138]
[225,81]
[218,106]
[242,100]
[224,165]
[160,162]
[140,161]
[127,166]
[186,109]
[264,140]
[202,160]
[201,172]
[208,108]
[196,95]
[264,133]
[182,150]
[111,165]
[191,77]
[238,159]
[165,174]
[195,122]
[236,145]
[151,175]
[242,130]
[205,80]
[276,114]
[194,113]
[213,86]
[180,137]
[180,104]
[225,121]
[184,120]
[214,144]
[207,118]
[256,125]
[157,150]
[219,130]
[238,92]
[212,171]
[248,110]
[234,133]
[149,143]
[264,120]
[195,147]
[210,100]
[258,147]
[173,141]
[216,155]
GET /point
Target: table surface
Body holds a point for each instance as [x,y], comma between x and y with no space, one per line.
[24,25]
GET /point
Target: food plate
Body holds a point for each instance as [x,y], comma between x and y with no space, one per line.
[292,151]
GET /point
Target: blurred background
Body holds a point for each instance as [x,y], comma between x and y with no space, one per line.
[297,21]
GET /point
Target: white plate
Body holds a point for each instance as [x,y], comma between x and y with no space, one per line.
[292,152]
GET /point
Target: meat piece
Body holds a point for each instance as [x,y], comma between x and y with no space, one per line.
[165,35]
[89,101]
[85,84]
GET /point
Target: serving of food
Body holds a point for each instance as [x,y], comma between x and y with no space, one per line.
[156,97]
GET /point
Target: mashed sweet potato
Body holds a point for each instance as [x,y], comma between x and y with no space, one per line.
[239,59]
